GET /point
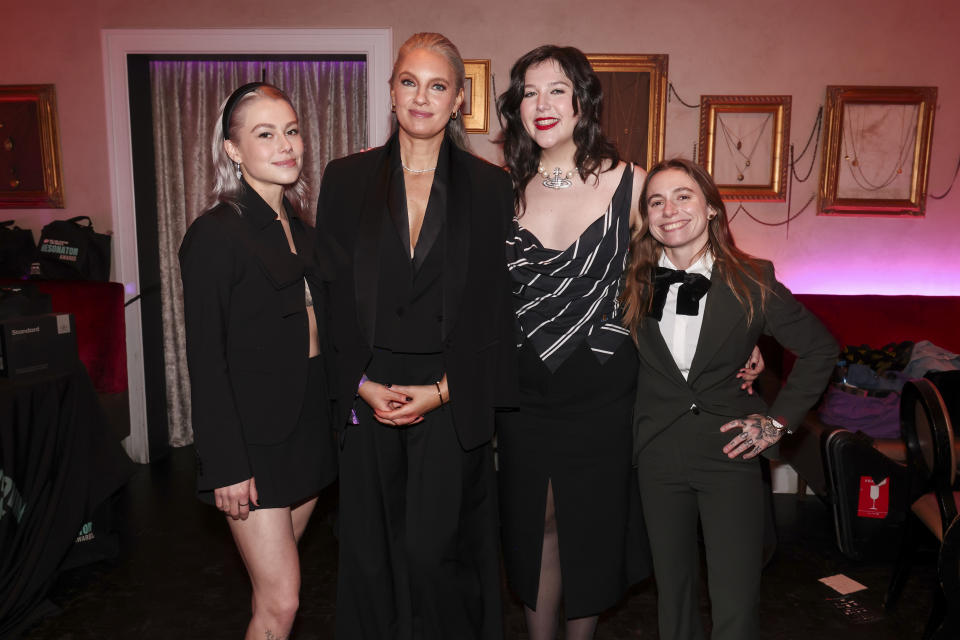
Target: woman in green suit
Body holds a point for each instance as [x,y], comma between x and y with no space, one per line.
[696,305]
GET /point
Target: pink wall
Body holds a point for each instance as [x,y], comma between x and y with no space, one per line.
[732,47]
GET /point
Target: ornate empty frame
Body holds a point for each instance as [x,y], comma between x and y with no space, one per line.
[743,144]
[29,148]
[635,98]
[474,109]
[876,150]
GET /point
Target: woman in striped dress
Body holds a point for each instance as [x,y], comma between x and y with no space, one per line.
[565,457]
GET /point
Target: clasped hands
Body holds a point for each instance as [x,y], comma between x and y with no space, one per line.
[402,405]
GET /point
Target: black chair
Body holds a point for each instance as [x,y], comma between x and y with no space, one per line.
[927,431]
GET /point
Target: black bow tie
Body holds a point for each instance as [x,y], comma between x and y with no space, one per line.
[694,287]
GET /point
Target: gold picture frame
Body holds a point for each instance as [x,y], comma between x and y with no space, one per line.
[30,176]
[474,110]
[634,103]
[876,150]
[744,141]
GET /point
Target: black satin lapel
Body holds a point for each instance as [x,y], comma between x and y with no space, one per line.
[366,253]
[457,246]
[397,206]
[723,312]
[432,221]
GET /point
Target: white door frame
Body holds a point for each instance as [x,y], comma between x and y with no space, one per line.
[375,44]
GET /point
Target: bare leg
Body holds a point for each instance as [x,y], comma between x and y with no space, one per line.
[268,546]
[542,623]
[300,516]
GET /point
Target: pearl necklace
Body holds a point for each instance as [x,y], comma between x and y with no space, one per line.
[556,180]
[406,168]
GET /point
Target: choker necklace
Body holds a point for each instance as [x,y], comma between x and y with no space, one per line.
[557,180]
[406,168]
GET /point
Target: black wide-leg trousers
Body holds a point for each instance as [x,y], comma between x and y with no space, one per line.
[418,525]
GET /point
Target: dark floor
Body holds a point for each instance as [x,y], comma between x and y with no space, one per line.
[178,576]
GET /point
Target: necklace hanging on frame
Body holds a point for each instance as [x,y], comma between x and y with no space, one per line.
[735,144]
[853,143]
[556,181]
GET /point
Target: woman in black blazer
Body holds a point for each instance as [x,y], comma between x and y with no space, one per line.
[260,417]
[696,305]
[421,329]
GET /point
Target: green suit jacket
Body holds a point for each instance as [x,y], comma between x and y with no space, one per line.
[726,340]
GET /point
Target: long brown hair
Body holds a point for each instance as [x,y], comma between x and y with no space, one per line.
[736,268]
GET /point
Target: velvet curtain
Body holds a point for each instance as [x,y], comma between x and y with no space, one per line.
[330,98]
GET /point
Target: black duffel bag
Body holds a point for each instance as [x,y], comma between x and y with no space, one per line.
[16,250]
[18,300]
[69,250]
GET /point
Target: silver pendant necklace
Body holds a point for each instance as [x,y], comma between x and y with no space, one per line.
[557,180]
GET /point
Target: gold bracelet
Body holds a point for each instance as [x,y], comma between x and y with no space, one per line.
[439,395]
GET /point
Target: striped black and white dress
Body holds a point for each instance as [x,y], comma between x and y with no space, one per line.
[563,298]
[578,373]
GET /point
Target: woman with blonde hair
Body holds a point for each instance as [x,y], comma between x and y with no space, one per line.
[421,332]
[258,391]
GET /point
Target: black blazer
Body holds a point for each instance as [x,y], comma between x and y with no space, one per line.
[725,343]
[477,328]
[247,332]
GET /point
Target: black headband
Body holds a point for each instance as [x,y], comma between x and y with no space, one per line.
[232,101]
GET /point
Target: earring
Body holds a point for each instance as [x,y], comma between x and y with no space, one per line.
[454,115]
[236,165]
[393,108]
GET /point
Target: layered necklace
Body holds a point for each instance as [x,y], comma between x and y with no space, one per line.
[735,144]
[853,143]
[557,179]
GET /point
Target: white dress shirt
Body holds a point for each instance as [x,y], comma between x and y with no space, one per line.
[682,333]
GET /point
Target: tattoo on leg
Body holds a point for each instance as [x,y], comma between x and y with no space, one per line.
[269,635]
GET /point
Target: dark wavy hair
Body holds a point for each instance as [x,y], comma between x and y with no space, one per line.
[520,152]
[735,267]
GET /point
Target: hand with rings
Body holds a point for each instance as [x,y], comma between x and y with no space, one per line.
[758,434]
[234,500]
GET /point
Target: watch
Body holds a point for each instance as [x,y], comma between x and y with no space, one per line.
[779,426]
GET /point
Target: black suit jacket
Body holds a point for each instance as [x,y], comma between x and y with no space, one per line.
[477,325]
[725,343]
[247,332]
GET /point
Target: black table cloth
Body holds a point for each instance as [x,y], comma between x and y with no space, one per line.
[58,462]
